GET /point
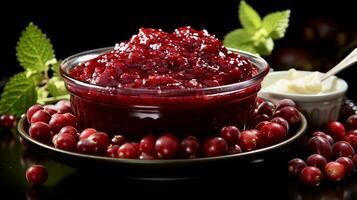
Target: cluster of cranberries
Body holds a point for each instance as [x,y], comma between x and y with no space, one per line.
[55,125]
[7,121]
[333,154]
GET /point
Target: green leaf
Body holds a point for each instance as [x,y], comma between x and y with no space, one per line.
[237,38]
[248,17]
[265,47]
[34,49]
[19,94]
[42,94]
[55,68]
[56,87]
[276,23]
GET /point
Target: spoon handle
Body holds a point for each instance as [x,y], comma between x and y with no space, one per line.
[346,62]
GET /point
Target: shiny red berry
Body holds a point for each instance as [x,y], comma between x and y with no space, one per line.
[284,103]
[324,135]
[40,116]
[317,160]
[147,144]
[290,114]
[112,151]
[40,131]
[342,149]
[235,149]
[320,145]
[230,134]
[295,166]
[32,110]
[7,121]
[347,163]
[248,140]
[311,176]
[36,174]
[128,150]
[86,146]
[351,122]
[63,106]
[116,140]
[336,130]
[65,141]
[70,130]
[273,133]
[215,146]
[166,146]
[102,141]
[334,171]
[86,133]
[190,147]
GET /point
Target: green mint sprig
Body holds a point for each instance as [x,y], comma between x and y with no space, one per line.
[35,54]
[257,35]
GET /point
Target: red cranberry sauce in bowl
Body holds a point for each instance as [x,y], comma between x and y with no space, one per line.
[185,82]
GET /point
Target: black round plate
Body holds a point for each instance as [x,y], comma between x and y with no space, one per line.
[163,168]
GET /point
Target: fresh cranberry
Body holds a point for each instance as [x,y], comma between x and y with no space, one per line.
[336,130]
[261,124]
[70,130]
[71,119]
[284,103]
[259,101]
[317,160]
[32,110]
[261,140]
[230,134]
[290,114]
[50,109]
[40,131]
[7,121]
[266,108]
[351,122]
[128,150]
[146,156]
[87,146]
[63,106]
[59,121]
[102,141]
[65,141]
[260,118]
[273,133]
[36,174]
[166,146]
[295,166]
[334,171]
[311,176]
[235,149]
[86,133]
[347,163]
[190,147]
[248,140]
[147,144]
[118,140]
[282,122]
[324,135]
[352,132]
[320,145]
[352,140]
[342,149]
[112,151]
[40,116]
[215,146]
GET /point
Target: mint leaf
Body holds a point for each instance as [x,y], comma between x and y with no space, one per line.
[55,87]
[265,47]
[248,17]
[276,23]
[34,49]
[237,38]
[19,94]
[42,94]
[55,68]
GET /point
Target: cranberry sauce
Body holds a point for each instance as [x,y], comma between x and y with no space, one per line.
[186,58]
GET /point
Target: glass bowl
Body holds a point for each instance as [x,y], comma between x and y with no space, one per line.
[138,112]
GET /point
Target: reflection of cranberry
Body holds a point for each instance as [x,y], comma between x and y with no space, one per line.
[36,174]
[7,121]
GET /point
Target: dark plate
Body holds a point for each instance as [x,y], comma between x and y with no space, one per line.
[177,168]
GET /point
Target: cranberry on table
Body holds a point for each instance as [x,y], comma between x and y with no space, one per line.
[334,171]
[128,150]
[311,176]
[86,133]
[282,122]
[336,130]
[230,134]
[40,116]
[86,146]
[32,110]
[36,174]
[324,135]
[351,122]
[166,146]
[342,149]
[190,147]
[147,144]
[215,146]
[235,149]
[320,145]
[40,131]
[295,166]
[317,160]
[284,103]
[7,121]
[352,140]
[347,163]
[116,140]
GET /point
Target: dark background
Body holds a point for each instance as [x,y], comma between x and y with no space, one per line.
[74,26]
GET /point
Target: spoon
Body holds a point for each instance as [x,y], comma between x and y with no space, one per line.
[346,62]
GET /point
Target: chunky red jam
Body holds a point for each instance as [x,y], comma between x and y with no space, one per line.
[186,58]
